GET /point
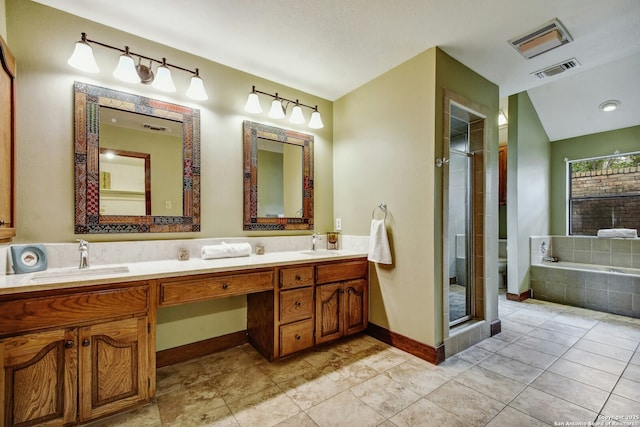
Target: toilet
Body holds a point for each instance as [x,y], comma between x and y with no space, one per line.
[502,263]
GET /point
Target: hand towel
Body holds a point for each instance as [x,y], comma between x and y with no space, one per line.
[627,233]
[379,250]
[226,250]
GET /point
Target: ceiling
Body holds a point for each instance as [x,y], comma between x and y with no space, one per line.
[330,47]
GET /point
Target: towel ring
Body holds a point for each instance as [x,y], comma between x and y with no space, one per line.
[383,208]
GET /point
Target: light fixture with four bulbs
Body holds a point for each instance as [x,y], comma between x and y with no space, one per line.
[278,110]
[82,59]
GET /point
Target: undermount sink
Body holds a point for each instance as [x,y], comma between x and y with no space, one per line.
[321,252]
[70,273]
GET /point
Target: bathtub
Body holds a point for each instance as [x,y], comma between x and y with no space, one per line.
[599,287]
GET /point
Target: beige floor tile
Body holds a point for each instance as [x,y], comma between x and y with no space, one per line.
[384,395]
[511,368]
[585,374]
[265,408]
[613,340]
[635,360]
[189,403]
[628,388]
[172,378]
[604,350]
[345,409]
[474,354]
[313,387]
[544,346]
[508,335]
[491,384]
[426,413]
[550,409]
[300,420]
[572,391]
[632,372]
[348,373]
[492,344]
[512,417]
[619,328]
[579,321]
[618,406]
[553,336]
[417,377]
[453,366]
[239,383]
[235,359]
[559,326]
[284,370]
[595,361]
[515,326]
[531,317]
[528,355]
[467,404]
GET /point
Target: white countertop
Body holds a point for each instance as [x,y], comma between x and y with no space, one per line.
[61,278]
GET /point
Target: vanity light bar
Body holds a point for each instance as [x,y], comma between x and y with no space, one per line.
[278,109]
[82,59]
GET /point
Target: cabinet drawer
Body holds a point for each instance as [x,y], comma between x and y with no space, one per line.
[208,287]
[296,277]
[27,314]
[328,273]
[296,336]
[296,304]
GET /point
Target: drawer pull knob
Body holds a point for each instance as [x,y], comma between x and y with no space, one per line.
[298,303]
[225,286]
[85,342]
[298,336]
[298,277]
[68,344]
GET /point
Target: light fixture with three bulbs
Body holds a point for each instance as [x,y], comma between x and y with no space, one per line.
[278,109]
[82,59]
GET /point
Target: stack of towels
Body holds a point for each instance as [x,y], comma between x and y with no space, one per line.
[226,250]
[625,233]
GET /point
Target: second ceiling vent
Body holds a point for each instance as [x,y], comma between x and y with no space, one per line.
[542,39]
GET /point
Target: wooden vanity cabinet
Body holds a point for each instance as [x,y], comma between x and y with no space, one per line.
[76,368]
[342,300]
[311,304]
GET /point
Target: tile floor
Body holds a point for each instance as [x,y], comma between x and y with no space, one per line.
[551,364]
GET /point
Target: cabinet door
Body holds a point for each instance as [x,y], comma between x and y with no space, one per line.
[329,301]
[356,306]
[114,367]
[39,378]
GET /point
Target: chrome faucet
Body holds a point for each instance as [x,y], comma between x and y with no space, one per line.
[314,239]
[84,253]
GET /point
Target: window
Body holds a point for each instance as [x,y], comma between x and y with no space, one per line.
[604,192]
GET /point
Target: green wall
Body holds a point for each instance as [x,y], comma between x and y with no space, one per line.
[387,134]
[527,188]
[582,147]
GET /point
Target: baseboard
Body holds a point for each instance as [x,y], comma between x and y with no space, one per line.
[426,352]
[200,348]
[496,327]
[519,297]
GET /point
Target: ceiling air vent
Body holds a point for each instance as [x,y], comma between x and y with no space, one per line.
[155,128]
[542,39]
[557,69]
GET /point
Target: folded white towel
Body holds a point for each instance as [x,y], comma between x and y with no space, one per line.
[625,233]
[379,250]
[226,250]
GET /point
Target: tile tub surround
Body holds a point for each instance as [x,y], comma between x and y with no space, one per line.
[550,363]
[588,250]
[588,286]
[62,255]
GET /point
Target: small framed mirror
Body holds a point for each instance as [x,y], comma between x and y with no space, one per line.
[137,163]
[278,178]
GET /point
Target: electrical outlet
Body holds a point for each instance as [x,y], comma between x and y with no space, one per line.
[338,224]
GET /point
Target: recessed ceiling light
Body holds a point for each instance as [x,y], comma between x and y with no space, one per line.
[610,105]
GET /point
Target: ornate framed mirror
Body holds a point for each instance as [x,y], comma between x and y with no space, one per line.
[278,178]
[166,135]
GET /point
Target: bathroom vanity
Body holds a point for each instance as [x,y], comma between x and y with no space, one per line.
[80,348]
